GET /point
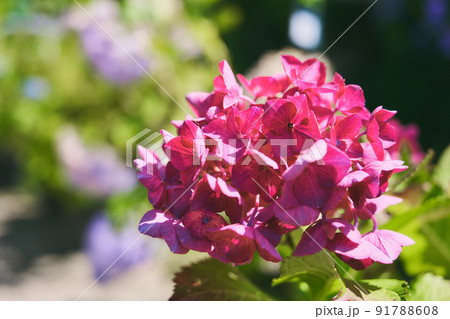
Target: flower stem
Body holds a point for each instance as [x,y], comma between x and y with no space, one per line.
[375,224]
[355,218]
[247,99]
[250,221]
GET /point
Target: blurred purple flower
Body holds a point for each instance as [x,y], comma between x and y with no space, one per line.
[107,56]
[97,171]
[444,42]
[105,245]
[435,18]
[435,12]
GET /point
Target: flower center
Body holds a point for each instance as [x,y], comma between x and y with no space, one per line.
[290,125]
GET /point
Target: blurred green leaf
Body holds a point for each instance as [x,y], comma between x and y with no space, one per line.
[411,174]
[318,271]
[429,287]
[376,289]
[442,171]
[431,252]
[213,280]
[400,220]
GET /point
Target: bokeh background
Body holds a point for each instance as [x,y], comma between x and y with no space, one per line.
[70,98]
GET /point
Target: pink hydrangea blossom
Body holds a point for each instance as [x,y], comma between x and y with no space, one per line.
[250,169]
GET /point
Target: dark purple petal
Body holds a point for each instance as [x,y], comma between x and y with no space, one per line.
[315,184]
[299,215]
[347,229]
[152,222]
[313,240]
[265,248]
[169,234]
[235,243]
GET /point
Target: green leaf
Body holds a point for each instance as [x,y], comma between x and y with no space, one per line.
[424,256]
[412,172]
[401,220]
[213,280]
[428,226]
[376,289]
[442,171]
[400,287]
[317,271]
[429,287]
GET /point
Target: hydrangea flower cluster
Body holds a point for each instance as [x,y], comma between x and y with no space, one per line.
[246,171]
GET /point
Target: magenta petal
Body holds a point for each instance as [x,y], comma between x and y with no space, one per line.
[182,157]
[336,196]
[340,244]
[387,135]
[265,248]
[147,155]
[352,97]
[347,229]
[206,198]
[156,194]
[279,113]
[291,67]
[401,239]
[217,130]
[383,115]
[235,243]
[169,233]
[315,153]
[375,205]
[310,71]
[266,213]
[229,101]
[295,170]
[150,176]
[261,86]
[198,102]
[313,71]
[152,222]
[256,179]
[271,231]
[299,215]
[388,242]
[179,200]
[262,159]
[212,181]
[227,73]
[151,181]
[315,184]
[249,119]
[167,136]
[376,254]
[197,222]
[348,127]
[233,210]
[356,263]
[228,190]
[313,240]
[337,159]
[197,244]
[352,178]
[355,150]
